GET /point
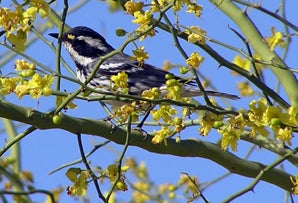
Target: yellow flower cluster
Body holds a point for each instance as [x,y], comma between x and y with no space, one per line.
[140,192]
[193,7]
[153,93]
[260,118]
[79,179]
[140,55]
[231,132]
[209,121]
[275,39]
[245,89]
[123,112]
[246,63]
[242,63]
[36,86]
[173,89]
[191,184]
[280,122]
[165,112]
[17,23]
[28,82]
[112,173]
[120,82]
[161,135]
[142,18]
[194,60]
[131,7]
[196,35]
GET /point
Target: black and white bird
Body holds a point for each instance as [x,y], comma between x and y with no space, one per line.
[86,46]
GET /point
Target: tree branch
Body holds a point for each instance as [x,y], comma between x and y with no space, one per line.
[187,148]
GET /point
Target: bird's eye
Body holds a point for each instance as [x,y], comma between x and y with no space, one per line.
[70,36]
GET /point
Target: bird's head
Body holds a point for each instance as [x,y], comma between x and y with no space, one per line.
[82,42]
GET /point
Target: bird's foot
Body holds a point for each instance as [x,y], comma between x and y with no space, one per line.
[143,132]
[108,119]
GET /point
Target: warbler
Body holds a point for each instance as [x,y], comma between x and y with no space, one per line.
[86,46]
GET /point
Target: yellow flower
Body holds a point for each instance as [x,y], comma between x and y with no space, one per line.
[142,18]
[230,137]
[21,89]
[38,6]
[238,122]
[245,89]
[131,7]
[145,27]
[8,85]
[179,4]
[274,113]
[24,68]
[70,104]
[192,183]
[208,121]
[173,89]
[140,55]
[165,112]
[139,195]
[10,20]
[284,134]
[294,180]
[120,82]
[293,113]
[152,93]
[126,110]
[194,60]
[56,193]
[242,63]
[256,112]
[112,173]
[231,133]
[79,179]
[23,65]
[36,86]
[275,39]
[196,35]
[17,40]
[160,5]
[194,8]
[160,136]
[258,130]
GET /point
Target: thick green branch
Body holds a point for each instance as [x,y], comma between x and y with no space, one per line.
[287,79]
[187,148]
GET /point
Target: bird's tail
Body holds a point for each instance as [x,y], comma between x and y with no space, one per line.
[190,91]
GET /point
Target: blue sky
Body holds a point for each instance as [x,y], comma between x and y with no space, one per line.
[43,151]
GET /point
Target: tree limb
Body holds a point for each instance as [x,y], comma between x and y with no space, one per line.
[186,148]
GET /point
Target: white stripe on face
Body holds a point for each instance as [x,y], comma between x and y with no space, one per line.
[96,43]
[111,65]
[82,60]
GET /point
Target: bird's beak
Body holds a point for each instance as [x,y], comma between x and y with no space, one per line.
[55,35]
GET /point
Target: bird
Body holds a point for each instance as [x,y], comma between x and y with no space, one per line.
[86,46]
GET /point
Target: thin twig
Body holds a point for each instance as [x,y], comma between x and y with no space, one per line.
[96,147]
[93,176]
[119,161]
[16,139]
[259,176]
